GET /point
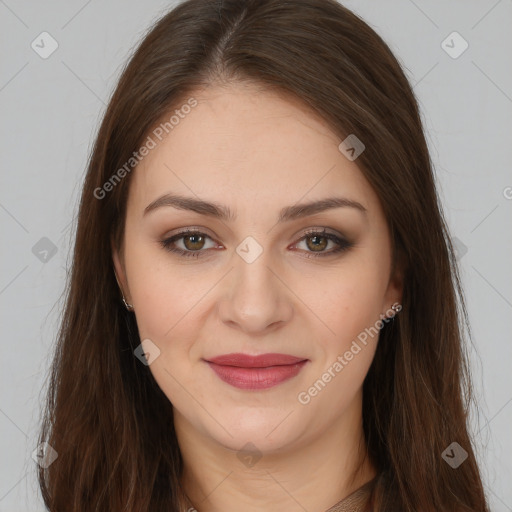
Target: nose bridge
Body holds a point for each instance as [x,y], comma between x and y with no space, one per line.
[255,298]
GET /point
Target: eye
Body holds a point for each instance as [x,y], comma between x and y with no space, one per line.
[191,242]
[317,241]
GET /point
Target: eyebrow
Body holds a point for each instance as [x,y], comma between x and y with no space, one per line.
[222,212]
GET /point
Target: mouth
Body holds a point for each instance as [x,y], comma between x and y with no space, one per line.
[256,372]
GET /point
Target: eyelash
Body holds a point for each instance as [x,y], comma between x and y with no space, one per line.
[343,245]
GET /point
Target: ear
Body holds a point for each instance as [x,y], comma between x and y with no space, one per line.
[394,292]
[119,270]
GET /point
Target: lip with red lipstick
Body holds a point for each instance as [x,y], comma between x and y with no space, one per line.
[256,372]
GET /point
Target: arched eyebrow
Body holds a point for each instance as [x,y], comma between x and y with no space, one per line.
[222,212]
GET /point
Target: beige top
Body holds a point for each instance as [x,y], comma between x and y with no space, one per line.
[355,502]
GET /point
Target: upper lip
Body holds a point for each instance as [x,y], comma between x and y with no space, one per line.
[259,361]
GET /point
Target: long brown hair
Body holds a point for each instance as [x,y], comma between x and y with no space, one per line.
[106,417]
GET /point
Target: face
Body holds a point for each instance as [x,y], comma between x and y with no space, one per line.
[254,273]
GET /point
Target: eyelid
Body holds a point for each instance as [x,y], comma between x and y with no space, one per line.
[193,230]
[320,230]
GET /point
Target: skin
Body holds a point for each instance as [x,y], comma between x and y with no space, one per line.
[256,152]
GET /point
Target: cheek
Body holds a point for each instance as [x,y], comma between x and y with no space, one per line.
[350,308]
[165,294]
[347,301]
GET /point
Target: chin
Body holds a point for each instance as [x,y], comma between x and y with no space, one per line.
[267,431]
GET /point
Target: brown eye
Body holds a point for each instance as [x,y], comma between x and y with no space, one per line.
[194,242]
[318,243]
[188,243]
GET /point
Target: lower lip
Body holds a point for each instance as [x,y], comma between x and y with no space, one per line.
[256,378]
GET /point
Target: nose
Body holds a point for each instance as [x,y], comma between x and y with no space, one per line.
[255,297]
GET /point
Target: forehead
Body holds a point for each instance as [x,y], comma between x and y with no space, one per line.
[243,144]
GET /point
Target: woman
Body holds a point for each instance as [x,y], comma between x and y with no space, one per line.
[263,310]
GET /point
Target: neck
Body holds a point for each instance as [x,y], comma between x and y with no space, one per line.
[312,475]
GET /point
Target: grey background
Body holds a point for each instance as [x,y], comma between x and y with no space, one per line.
[50,113]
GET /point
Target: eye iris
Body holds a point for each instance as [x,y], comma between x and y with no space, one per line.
[316,246]
[198,239]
